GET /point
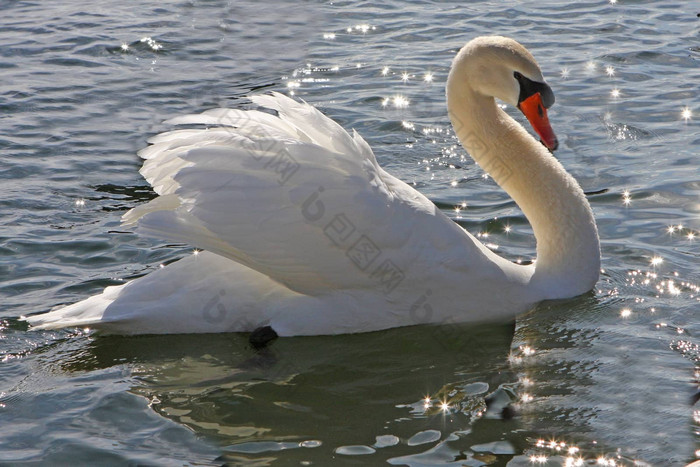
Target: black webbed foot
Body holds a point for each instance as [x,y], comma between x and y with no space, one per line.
[499,405]
[262,336]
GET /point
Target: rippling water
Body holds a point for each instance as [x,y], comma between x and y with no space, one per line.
[607,376]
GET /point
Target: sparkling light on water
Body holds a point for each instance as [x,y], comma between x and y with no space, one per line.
[680,230]
[573,461]
[686,114]
[155,46]
[523,350]
[626,198]
[575,455]
[400,102]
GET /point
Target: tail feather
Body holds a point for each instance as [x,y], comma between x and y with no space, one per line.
[84,313]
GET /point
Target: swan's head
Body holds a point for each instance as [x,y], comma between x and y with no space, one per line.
[502,68]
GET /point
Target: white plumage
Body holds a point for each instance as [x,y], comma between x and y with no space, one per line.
[303,232]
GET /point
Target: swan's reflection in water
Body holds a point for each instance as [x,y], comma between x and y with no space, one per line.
[340,395]
[415,396]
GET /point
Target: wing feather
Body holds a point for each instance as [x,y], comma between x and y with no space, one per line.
[291,195]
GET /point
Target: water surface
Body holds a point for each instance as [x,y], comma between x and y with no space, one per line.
[609,374]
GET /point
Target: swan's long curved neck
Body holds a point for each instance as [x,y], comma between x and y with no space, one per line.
[568,251]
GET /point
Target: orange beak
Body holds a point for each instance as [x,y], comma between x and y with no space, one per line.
[536,114]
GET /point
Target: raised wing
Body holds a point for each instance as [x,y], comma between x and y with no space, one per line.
[293,196]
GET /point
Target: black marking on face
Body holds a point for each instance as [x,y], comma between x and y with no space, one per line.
[529,87]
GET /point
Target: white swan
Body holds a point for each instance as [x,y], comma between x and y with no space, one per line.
[304,232]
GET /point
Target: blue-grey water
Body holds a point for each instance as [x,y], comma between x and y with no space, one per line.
[605,378]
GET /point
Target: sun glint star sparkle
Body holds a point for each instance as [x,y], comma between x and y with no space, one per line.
[686,114]
[400,102]
[626,198]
